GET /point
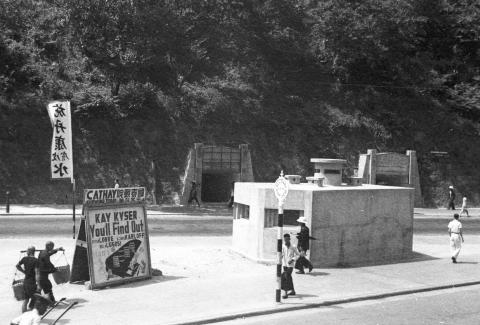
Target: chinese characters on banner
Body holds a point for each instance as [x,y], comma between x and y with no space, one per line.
[61,160]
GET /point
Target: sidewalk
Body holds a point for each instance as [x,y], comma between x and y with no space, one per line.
[203,281]
[211,210]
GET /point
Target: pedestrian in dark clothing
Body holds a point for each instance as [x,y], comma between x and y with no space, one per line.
[193,194]
[289,255]
[30,269]
[46,267]
[230,203]
[303,246]
[451,198]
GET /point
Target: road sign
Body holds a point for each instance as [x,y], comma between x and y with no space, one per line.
[281,188]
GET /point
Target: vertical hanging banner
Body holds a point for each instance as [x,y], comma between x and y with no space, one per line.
[61,161]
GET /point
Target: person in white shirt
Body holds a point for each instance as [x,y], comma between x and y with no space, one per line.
[289,255]
[456,237]
[464,206]
[34,316]
[117,184]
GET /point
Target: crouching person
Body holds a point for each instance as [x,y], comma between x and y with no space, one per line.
[34,316]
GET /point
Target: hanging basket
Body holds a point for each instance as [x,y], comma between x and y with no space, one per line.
[18,291]
[62,275]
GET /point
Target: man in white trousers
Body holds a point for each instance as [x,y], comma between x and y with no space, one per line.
[456,237]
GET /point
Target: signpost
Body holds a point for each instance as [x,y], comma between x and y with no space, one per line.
[281,192]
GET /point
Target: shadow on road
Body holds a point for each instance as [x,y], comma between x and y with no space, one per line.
[317,273]
[153,280]
[467,262]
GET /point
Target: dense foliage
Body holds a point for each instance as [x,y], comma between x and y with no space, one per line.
[294,79]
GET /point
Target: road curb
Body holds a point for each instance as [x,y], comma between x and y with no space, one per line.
[271,311]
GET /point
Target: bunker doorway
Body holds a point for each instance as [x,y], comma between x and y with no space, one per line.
[216,186]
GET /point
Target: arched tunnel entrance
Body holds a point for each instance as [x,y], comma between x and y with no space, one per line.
[214,168]
[216,185]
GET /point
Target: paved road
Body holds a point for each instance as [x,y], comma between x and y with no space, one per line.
[62,226]
[188,225]
[451,306]
[438,226]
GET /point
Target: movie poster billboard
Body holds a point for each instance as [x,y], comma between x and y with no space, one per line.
[118,246]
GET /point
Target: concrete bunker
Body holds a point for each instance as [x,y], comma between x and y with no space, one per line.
[354,224]
[214,168]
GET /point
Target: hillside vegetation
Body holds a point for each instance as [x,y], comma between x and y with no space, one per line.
[294,79]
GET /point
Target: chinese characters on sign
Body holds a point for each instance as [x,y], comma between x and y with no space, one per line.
[114,195]
[61,160]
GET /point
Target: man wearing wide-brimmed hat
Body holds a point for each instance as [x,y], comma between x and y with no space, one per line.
[451,198]
[34,316]
[303,246]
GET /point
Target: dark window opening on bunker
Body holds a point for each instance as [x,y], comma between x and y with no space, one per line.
[216,186]
[289,217]
[332,171]
[241,211]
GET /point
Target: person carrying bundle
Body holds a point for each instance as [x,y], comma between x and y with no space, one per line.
[46,267]
[30,269]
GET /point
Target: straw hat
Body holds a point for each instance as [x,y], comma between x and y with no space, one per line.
[302,220]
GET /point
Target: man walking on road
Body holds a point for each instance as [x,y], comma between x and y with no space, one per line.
[456,237]
[46,267]
[193,194]
[464,207]
[451,198]
[289,255]
[303,246]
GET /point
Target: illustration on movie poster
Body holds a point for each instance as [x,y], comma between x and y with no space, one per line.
[127,261]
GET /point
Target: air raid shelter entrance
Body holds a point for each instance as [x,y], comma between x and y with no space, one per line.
[214,168]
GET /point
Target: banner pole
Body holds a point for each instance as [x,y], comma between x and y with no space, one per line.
[73,205]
